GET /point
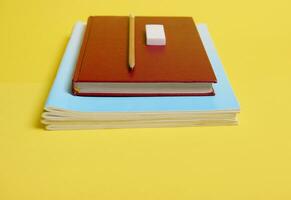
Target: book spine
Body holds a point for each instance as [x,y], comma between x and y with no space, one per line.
[81,56]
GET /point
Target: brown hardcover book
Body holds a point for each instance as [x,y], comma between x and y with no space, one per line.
[181,67]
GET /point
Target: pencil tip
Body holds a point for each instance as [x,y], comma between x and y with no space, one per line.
[131,66]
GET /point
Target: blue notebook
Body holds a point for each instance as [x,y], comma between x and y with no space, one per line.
[61,97]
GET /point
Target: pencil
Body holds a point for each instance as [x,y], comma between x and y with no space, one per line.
[131,53]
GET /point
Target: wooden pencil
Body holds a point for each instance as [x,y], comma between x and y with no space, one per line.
[131,53]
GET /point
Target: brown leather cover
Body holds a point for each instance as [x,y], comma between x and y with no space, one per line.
[104,53]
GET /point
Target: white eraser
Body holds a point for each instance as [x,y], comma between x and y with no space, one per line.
[155,34]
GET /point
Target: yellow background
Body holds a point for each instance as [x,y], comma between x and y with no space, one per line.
[249,161]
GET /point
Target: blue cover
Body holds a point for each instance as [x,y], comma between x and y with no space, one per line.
[60,96]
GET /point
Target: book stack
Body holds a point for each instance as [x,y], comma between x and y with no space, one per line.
[180,84]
